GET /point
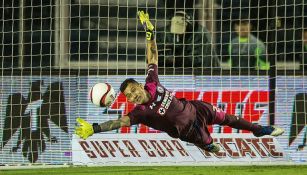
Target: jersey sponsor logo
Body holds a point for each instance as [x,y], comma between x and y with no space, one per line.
[251,105]
[167,100]
[168,97]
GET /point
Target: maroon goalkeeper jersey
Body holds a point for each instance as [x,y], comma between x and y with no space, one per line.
[164,111]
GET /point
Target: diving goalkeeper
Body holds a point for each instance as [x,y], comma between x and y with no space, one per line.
[157,108]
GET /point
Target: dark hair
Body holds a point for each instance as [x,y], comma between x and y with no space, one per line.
[124,84]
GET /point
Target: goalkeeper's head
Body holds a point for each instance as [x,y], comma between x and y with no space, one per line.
[134,91]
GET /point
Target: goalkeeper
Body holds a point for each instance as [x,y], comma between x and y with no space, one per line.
[159,109]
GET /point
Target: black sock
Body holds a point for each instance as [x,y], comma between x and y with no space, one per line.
[239,123]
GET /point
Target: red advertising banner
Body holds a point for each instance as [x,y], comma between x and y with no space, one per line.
[250,104]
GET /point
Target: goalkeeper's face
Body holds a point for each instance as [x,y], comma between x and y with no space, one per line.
[136,93]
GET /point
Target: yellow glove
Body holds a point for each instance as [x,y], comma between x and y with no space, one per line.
[85,129]
[149,28]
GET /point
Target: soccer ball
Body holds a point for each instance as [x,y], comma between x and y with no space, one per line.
[102,94]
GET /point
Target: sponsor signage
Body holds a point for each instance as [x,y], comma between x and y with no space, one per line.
[151,148]
[34,127]
[46,108]
[291,114]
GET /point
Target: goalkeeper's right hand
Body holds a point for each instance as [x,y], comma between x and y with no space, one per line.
[149,28]
[85,129]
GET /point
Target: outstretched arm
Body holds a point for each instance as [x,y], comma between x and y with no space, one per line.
[85,129]
[112,124]
[152,51]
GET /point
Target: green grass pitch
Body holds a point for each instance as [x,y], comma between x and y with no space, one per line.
[165,170]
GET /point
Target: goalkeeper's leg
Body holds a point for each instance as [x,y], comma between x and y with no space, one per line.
[258,130]
[218,116]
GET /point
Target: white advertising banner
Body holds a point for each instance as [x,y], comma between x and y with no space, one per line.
[160,148]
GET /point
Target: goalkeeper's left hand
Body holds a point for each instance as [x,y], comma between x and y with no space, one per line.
[149,28]
[85,129]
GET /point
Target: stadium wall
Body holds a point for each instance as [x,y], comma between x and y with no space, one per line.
[247,96]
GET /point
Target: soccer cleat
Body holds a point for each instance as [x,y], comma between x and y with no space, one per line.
[270,130]
[213,148]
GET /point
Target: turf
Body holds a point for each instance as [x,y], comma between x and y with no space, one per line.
[165,170]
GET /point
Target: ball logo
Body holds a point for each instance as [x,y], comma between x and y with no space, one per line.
[112,97]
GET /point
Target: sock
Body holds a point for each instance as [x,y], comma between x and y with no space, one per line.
[239,123]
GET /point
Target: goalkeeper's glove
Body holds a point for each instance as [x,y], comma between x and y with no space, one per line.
[85,129]
[149,28]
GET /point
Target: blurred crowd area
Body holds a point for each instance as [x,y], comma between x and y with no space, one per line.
[258,34]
